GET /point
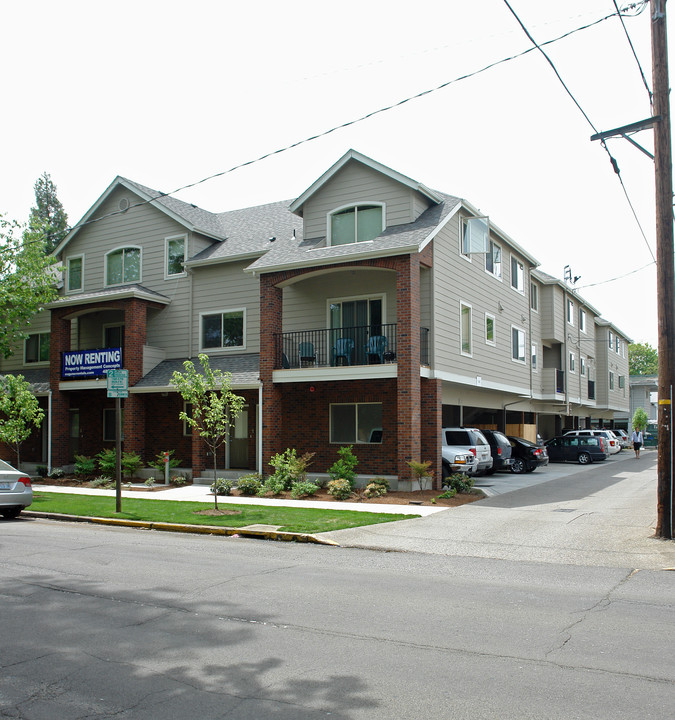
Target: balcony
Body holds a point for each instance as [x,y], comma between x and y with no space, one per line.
[344,347]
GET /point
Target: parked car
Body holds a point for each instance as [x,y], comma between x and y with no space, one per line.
[500,449]
[623,438]
[16,492]
[583,449]
[612,443]
[473,440]
[457,459]
[526,456]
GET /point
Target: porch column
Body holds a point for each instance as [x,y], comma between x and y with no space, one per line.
[271,312]
[59,342]
[431,423]
[408,358]
[134,406]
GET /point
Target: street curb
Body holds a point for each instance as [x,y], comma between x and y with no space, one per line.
[193,529]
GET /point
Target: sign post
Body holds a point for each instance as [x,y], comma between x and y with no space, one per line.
[118,387]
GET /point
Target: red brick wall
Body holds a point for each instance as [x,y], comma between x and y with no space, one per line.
[431,417]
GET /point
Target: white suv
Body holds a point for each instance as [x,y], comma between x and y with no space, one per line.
[473,440]
[613,444]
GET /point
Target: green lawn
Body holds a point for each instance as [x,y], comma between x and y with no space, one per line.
[300,520]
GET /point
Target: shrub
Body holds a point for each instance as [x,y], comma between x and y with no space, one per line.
[374,490]
[130,464]
[274,485]
[180,480]
[249,484]
[290,468]
[303,489]
[458,482]
[343,468]
[222,486]
[450,492]
[107,461]
[57,473]
[150,482]
[340,489]
[158,462]
[382,482]
[421,471]
[41,470]
[84,466]
[102,481]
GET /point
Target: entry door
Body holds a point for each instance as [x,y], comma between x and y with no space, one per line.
[239,441]
[74,434]
[356,319]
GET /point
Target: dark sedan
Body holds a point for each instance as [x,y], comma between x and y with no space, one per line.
[526,456]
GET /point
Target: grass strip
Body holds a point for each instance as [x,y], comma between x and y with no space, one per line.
[298,520]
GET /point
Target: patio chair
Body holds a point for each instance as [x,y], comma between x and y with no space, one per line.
[343,348]
[306,354]
[375,349]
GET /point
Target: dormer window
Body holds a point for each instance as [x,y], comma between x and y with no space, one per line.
[123,266]
[357,223]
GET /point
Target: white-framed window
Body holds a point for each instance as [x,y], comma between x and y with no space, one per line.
[582,320]
[582,365]
[611,380]
[611,340]
[517,275]
[618,345]
[175,248]
[123,266]
[535,363]
[223,330]
[355,223]
[490,330]
[466,346]
[464,239]
[493,260]
[356,423]
[474,236]
[75,273]
[517,344]
[623,349]
[622,381]
[187,430]
[36,348]
[572,362]
[109,433]
[534,297]
[570,312]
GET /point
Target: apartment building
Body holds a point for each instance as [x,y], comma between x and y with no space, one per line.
[371,310]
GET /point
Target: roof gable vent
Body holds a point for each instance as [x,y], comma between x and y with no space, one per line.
[123,204]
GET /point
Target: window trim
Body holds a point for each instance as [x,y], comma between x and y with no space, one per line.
[382,297]
[355,206]
[356,405]
[34,363]
[534,357]
[124,282]
[582,365]
[582,320]
[80,289]
[235,348]
[521,330]
[462,224]
[462,304]
[611,380]
[572,363]
[490,253]
[570,312]
[167,240]
[520,265]
[535,287]
[492,342]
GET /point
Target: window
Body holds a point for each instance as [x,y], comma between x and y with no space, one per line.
[187,408]
[109,434]
[74,273]
[223,330]
[618,344]
[36,349]
[534,297]
[113,336]
[465,323]
[570,312]
[517,273]
[356,423]
[622,381]
[582,320]
[123,266]
[534,358]
[611,380]
[175,255]
[582,365]
[611,340]
[490,329]
[572,362]
[354,224]
[518,344]
[475,233]
[493,260]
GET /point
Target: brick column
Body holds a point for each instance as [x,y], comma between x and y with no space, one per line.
[59,341]
[408,359]
[431,423]
[135,312]
[271,312]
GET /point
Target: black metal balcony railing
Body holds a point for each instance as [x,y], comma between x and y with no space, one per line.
[560,381]
[591,389]
[343,347]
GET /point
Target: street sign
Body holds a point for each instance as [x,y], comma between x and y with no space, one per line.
[118,383]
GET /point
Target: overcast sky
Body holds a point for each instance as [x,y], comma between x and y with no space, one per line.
[167,93]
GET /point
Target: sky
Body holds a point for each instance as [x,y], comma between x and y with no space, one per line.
[169,93]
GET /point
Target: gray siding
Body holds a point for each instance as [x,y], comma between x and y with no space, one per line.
[41,323]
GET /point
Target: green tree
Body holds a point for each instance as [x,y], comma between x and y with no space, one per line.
[20,412]
[27,281]
[48,213]
[640,419]
[214,405]
[643,359]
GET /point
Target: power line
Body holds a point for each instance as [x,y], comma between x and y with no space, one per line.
[644,79]
[619,277]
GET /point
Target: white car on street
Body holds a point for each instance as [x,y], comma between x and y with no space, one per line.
[16,492]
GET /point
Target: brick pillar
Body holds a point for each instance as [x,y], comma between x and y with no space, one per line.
[408,359]
[271,312]
[59,341]
[135,312]
[431,422]
[199,456]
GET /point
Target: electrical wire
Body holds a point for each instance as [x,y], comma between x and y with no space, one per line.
[619,277]
[644,79]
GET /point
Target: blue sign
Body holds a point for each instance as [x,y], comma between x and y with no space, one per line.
[79,363]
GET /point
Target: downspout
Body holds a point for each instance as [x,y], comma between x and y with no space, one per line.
[260,429]
[191,305]
[49,431]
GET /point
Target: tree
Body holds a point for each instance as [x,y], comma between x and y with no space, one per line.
[20,412]
[214,405]
[48,213]
[640,419]
[27,281]
[643,359]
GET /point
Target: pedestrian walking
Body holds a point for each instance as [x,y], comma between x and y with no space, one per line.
[636,437]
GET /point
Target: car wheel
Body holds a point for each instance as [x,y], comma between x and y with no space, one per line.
[584,458]
[10,513]
[518,466]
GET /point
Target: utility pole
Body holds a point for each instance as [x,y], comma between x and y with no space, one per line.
[665,281]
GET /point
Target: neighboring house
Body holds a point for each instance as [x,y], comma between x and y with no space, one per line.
[370,311]
[644,393]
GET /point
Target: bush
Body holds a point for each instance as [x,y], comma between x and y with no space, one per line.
[289,468]
[450,492]
[102,481]
[130,464]
[249,484]
[374,490]
[340,489]
[84,466]
[274,484]
[107,461]
[158,462]
[150,482]
[41,470]
[343,468]
[382,482]
[458,482]
[180,480]
[57,473]
[222,486]
[303,489]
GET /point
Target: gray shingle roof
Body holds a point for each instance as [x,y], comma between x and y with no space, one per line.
[134,289]
[245,370]
[37,377]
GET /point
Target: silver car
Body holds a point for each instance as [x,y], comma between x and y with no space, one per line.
[16,492]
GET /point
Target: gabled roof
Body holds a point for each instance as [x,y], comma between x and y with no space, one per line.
[296,205]
[193,218]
